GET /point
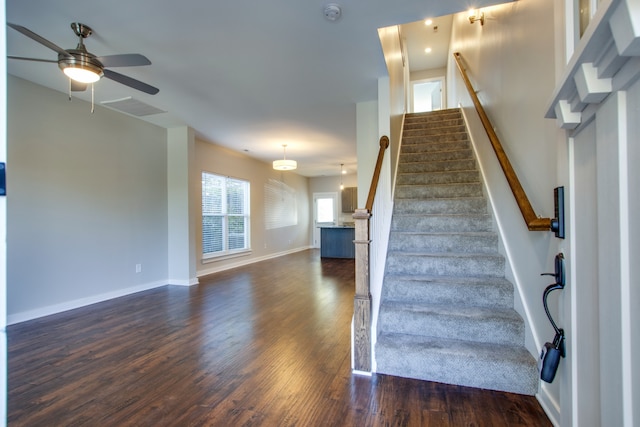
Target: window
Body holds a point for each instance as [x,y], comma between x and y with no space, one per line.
[225,215]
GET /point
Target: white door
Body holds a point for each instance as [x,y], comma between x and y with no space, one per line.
[427,95]
[325,213]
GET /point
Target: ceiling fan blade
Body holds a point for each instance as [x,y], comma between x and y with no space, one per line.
[27,32]
[32,59]
[77,86]
[131,82]
[124,60]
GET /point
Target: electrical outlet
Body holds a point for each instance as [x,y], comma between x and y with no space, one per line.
[138,268]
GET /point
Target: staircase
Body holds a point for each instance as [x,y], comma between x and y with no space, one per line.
[446,313]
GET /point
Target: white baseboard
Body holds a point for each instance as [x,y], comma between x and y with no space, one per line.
[179,282]
[243,261]
[549,405]
[24,316]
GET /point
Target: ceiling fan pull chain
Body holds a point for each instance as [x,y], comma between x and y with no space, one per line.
[69,90]
[91,98]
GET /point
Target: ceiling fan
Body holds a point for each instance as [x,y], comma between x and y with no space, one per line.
[83,67]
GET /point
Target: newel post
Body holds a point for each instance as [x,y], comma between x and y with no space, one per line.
[362,299]
[362,357]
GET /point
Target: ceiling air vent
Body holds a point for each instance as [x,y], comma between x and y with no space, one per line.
[132,106]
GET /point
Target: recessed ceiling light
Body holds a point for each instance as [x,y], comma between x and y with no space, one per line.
[428,22]
[428,50]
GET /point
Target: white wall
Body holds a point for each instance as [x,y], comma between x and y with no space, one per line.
[87,202]
[510,61]
[264,243]
[390,41]
[182,210]
[428,74]
[368,143]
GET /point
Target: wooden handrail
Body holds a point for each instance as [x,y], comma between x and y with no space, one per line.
[534,223]
[384,144]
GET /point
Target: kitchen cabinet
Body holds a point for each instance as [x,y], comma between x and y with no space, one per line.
[349,199]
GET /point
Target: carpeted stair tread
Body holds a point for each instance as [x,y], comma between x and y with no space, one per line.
[435,146]
[444,190]
[434,130]
[472,291]
[470,241]
[463,154]
[443,205]
[455,177]
[442,222]
[469,323]
[414,140]
[489,366]
[451,264]
[437,165]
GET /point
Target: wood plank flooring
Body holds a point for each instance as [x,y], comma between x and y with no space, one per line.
[262,345]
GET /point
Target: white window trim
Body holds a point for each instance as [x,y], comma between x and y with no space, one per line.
[227,254]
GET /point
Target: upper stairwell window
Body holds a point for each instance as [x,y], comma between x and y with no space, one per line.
[225,215]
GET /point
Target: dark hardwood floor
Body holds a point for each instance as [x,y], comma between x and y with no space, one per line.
[263,345]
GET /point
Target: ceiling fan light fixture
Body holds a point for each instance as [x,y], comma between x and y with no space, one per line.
[81,66]
[82,74]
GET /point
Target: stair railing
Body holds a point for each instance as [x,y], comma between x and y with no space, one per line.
[362,299]
[534,223]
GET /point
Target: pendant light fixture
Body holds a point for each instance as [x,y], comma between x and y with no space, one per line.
[284,164]
[341,173]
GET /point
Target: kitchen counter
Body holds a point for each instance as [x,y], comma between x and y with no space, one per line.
[336,241]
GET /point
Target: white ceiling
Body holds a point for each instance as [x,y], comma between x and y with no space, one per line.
[419,36]
[250,75]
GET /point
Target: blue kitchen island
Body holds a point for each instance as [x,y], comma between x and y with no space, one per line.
[337,242]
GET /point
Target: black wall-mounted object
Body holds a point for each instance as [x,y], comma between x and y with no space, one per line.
[552,351]
[557,223]
[3,180]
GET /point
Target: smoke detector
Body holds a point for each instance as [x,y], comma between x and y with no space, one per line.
[332,12]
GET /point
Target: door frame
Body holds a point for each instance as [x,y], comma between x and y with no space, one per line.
[443,89]
[316,226]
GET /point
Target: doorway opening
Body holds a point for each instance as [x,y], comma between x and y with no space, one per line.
[325,213]
[427,95]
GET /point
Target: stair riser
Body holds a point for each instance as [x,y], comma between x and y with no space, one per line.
[434,115]
[437,223]
[439,243]
[437,166]
[474,205]
[483,330]
[400,263]
[435,119]
[450,120]
[438,191]
[498,295]
[436,156]
[435,146]
[434,139]
[438,178]
[450,368]
[434,131]
[445,123]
